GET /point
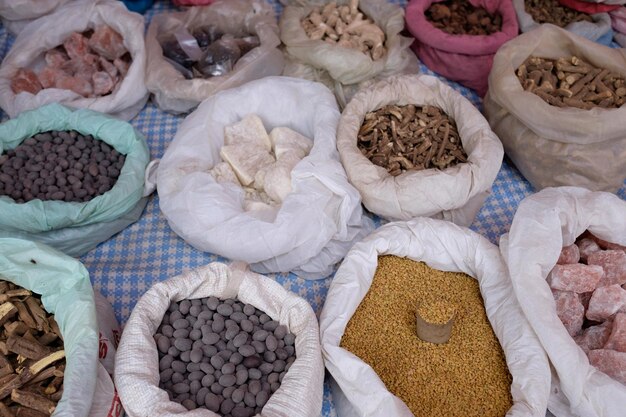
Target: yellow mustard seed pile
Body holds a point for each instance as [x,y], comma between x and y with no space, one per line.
[436,312]
[465,377]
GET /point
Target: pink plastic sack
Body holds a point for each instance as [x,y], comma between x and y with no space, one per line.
[589,8]
[465,59]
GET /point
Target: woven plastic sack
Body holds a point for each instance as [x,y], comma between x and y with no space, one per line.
[16,14]
[466,59]
[589,8]
[137,365]
[66,292]
[46,33]
[172,92]
[348,67]
[447,247]
[591,30]
[455,194]
[75,228]
[554,146]
[543,224]
[317,222]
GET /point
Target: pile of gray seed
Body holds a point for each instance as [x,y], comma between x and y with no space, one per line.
[224,355]
[59,165]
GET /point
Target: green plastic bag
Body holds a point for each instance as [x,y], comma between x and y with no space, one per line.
[75,227]
[66,292]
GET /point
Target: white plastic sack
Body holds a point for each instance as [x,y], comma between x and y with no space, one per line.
[317,222]
[16,14]
[591,30]
[553,146]
[66,292]
[348,67]
[447,247]
[543,224]
[50,31]
[455,194]
[172,92]
[137,365]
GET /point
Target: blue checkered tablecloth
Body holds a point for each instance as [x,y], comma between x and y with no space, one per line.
[124,267]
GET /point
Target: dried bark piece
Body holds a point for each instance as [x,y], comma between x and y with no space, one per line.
[25,80]
[26,348]
[605,302]
[570,311]
[594,337]
[102,83]
[611,362]
[569,255]
[586,247]
[76,45]
[7,310]
[107,42]
[34,401]
[617,338]
[577,278]
[613,262]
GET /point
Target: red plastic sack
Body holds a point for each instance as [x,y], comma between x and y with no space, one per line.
[192,2]
[589,8]
[465,59]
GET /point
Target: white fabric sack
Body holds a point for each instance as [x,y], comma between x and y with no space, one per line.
[137,364]
[48,32]
[447,247]
[543,224]
[553,146]
[455,194]
[172,92]
[347,65]
[591,30]
[317,222]
[16,14]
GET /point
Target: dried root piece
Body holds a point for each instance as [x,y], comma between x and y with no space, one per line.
[551,11]
[460,17]
[410,138]
[572,82]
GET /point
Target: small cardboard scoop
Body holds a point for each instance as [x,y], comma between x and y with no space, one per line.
[434,332]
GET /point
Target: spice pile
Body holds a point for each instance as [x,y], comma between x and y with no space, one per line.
[551,11]
[206,52]
[572,82]
[32,359]
[259,162]
[410,138]
[223,355]
[345,26]
[589,287]
[432,379]
[59,165]
[91,64]
[460,17]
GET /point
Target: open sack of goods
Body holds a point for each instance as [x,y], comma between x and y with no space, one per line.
[220,341]
[70,179]
[566,254]
[618,21]
[549,92]
[420,320]
[413,146]
[16,14]
[458,38]
[345,44]
[535,13]
[253,175]
[192,55]
[49,336]
[84,55]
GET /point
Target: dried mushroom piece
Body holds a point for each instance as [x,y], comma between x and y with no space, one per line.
[410,138]
[551,11]
[460,17]
[572,82]
[32,359]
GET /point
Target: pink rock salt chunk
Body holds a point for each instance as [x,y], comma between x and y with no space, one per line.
[76,45]
[55,58]
[586,247]
[594,337]
[102,83]
[614,264]
[584,299]
[605,302]
[607,245]
[569,255]
[108,67]
[611,362]
[575,277]
[48,76]
[25,80]
[122,66]
[617,339]
[75,84]
[107,42]
[570,311]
